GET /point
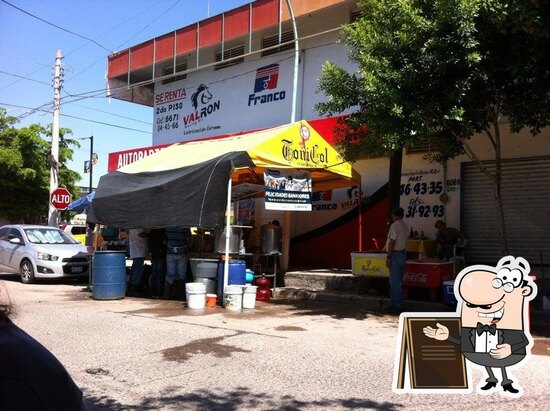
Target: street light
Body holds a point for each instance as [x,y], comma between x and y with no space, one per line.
[91,159]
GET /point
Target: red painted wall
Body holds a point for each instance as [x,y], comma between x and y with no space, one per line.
[164,47]
[330,246]
[236,22]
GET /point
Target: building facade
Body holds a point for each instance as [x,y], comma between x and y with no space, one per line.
[239,71]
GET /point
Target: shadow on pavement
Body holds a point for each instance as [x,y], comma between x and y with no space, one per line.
[241,398]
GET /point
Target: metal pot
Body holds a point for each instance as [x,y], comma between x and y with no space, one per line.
[270,239]
[234,240]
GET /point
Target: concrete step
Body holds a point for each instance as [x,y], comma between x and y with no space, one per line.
[321,279]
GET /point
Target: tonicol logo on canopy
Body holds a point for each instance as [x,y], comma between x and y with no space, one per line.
[267,78]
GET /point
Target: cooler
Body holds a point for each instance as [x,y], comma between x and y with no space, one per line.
[427,273]
[369,264]
[448,292]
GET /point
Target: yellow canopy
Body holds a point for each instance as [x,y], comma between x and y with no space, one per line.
[293,146]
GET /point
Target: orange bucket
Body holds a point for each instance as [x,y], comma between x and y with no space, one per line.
[211,300]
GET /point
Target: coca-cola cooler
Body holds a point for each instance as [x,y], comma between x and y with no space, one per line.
[427,273]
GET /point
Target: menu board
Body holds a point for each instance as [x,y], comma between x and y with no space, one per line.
[431,364]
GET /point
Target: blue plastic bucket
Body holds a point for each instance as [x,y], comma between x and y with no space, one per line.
[237,274]
[109,275]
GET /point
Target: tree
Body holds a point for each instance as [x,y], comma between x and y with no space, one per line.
[443,70]
[25,170]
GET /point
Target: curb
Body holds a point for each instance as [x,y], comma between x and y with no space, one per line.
[539,320]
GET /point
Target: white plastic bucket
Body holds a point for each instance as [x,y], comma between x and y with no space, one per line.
[196,295]
[249,296]
[233,299]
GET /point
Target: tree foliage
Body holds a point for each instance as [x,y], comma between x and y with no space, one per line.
[442,70]
[25,169]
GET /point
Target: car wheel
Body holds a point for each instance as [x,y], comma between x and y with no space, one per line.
[27,272]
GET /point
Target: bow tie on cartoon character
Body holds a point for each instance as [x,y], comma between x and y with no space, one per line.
[494,325]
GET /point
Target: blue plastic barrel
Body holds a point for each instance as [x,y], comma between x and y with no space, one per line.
[237,274]
[109,275]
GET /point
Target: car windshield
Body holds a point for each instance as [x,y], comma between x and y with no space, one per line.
[48,236]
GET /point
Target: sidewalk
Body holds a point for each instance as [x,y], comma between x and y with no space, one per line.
[342,287]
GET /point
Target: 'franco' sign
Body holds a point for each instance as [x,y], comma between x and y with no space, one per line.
[60,198]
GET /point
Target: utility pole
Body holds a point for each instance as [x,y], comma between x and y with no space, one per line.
[54,156]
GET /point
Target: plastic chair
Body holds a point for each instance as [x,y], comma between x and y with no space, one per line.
[459,255]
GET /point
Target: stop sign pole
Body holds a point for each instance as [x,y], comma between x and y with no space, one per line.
[54,156]
[60,198]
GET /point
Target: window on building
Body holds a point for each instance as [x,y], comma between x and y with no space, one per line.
[271,41]
[355,15]
[229,54]
[170,70]
[425,146]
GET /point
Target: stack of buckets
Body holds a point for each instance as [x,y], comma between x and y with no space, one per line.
[239,293]
[196,295]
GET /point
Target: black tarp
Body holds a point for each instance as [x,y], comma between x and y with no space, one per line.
[191,196]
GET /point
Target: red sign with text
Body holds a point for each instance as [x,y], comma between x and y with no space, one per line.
[61,198]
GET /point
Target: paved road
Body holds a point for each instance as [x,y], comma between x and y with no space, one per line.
[293,355]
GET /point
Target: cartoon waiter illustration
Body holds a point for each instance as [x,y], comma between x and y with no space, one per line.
[492,304]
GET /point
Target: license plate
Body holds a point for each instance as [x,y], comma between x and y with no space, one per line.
[77,269]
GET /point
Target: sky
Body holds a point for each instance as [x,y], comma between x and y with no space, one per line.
[86,32]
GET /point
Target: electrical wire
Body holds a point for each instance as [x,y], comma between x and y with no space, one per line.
[148,25]
[25,78]
[55,25]
[125,21]
[78,118]
[112,114]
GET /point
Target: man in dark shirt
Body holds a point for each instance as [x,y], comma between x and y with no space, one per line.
[176,260]
[446,238]
[157,248]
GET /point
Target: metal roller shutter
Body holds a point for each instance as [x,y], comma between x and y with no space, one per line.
[526,200]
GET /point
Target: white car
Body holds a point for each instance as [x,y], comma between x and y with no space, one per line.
[37,251]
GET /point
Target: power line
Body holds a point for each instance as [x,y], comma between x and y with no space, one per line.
[25,78]
[75,117]
[106,124]
[147,26]
[55,25]
[113,114]
[125,21]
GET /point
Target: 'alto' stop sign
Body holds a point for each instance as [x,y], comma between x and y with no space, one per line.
[60,198]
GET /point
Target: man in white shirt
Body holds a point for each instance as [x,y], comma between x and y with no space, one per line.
[397,255]
[139,251]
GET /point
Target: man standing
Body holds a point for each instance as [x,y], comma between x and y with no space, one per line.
[139,251]
[397,255]
[176,260]
[157,247]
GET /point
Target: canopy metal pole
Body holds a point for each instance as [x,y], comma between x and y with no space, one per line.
[296,62]
[360,206]
[227,225]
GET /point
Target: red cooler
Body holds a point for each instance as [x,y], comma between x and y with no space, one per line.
[427,273]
